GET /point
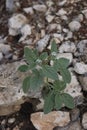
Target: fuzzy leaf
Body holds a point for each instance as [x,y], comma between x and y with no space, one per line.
[23,68]
[59,85]
[49,103]
[61,67]
[50,72]
[26,84]
[43,56]
[68,100]
[64,62]
[54,47]
[29,55]
[36,80]
[58,101]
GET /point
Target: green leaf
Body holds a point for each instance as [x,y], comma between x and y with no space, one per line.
[58,101]
[29,55]
[49,72]
[64,62]
[43,56]
[66,75]
[49,103]
[68,100]
[61,67]
[26,84]
[23,68]
[32,66]
[36,80]
[59,85]
[54,47]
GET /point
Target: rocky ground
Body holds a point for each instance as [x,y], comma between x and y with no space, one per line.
[35,24]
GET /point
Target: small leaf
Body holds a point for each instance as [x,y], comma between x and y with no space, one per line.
[54,47]
[43,56]
[26,84]
[58,101]
[64,62]
[23,68]
[66,75]
[29,55]
[49,103]
[60,67]
[59,85]
[36,80]
[68,100]
[50,72]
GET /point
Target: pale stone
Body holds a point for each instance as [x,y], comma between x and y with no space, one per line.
[1,56]
[73,88]
[80,68]
[48,121]
[40,8]
[85,13]
[74,25]
[11,120]
[59,36]
[12,5]
[82,46]
[72,126]
[83,81]
[5,49]
[84,121]
[41,44]
[25,31]
[61,3]
[49,18]
[69,35]
[11,93]
[15,23]
[61,12]
[28,10]
[67,47]
[68,56]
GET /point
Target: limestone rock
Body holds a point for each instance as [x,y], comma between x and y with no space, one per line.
[50,120]
[80,68]
[5,49]
[41,44]
[67,47]
[49,18]
[72,126]
[83,82]
[84,121]
[74,26]
[15,23]
[1,56]
[11,93]
[40,8]
[28,10]
[25,31]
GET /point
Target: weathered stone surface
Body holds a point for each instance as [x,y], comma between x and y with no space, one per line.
[15,23]
[83,82]
[50,120]
[80,68]
[84,121]
[74,26]
[41,44]
[72,126]
[67,47]
[11,94]
[40,8]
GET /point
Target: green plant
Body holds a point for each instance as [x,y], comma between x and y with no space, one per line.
[46,71]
